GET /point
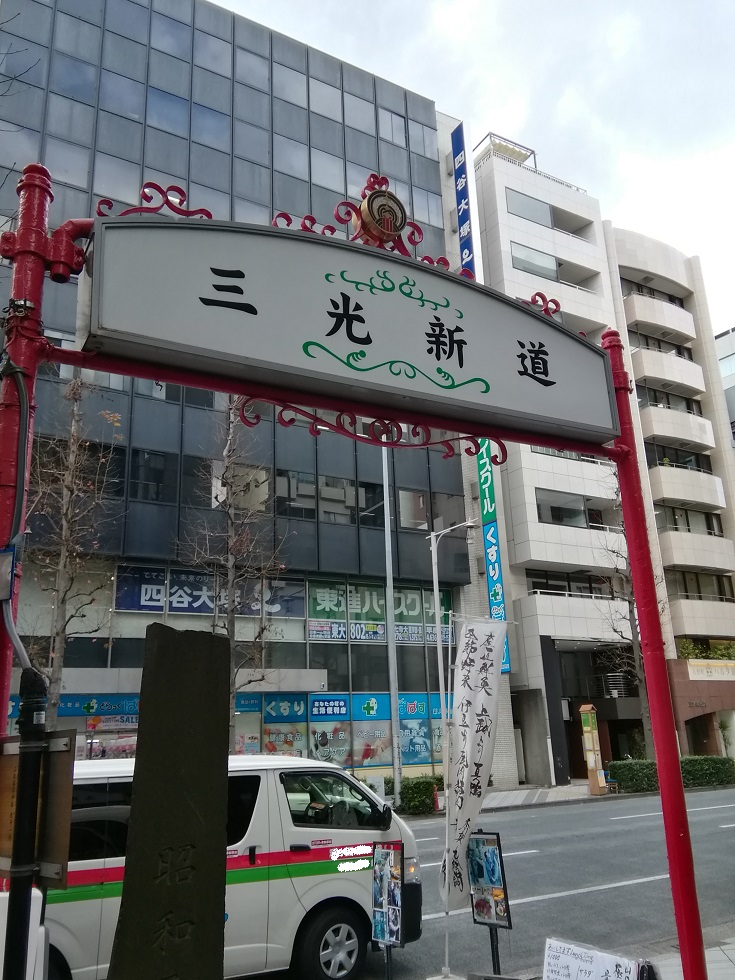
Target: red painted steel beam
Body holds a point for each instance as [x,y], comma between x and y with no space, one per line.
[673,802]
[213,382]
[32,252]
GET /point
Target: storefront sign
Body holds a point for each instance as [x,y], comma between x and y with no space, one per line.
[81,705]
[140,588]
[285,739]
[331,741]
[408,615]
[106,723]
[284,707]
[367,613]
[445,599]
[462,194]
[327,611]
[711,670]
[247,703]
[329,706]
[280,598]
[491,543]
[331,317]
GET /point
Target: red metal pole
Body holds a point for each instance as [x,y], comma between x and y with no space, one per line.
[32,252]
[673,802]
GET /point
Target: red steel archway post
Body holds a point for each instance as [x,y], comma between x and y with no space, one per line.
[673,802]
[32,252]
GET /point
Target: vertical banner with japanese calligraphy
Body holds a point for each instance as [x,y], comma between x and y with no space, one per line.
[462,192]
[471,745]
[491,541]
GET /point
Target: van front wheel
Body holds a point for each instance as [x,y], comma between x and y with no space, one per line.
[333,946]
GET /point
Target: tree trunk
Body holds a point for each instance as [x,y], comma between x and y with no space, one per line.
[64,576]
[641,679]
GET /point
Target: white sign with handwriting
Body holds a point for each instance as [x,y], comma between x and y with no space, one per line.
[564,961]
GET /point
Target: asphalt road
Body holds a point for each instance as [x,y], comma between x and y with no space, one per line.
[593,872]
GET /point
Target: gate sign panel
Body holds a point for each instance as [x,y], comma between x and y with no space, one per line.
[316,316]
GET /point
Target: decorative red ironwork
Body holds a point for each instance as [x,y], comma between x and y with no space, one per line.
[307,224]
[375,432]
[173,198]
[348,213]
[547,306]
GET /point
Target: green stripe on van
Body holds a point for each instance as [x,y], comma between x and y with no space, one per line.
[237,876]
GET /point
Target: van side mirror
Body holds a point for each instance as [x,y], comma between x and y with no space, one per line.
[386,817]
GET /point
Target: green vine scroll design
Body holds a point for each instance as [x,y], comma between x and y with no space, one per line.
[384,283]
[381,282]
[399,369]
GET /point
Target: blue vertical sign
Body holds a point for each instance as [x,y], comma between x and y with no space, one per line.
[462,193]
[490,542]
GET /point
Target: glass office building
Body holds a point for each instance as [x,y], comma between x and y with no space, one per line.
[109,94]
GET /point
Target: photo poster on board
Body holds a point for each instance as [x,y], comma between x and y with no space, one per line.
[488,892]
[387,882]
[566,961]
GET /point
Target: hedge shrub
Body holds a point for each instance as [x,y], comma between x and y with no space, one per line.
[417,794]
[438,779]
[640,775]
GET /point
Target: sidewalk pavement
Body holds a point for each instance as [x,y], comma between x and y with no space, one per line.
[498,799]
[720,963]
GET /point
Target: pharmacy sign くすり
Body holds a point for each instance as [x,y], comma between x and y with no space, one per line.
[308,314]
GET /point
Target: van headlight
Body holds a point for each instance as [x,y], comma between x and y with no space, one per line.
[411,870]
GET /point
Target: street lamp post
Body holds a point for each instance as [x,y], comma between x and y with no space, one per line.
[391,637]
[435,537]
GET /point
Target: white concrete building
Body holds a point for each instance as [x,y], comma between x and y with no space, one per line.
[563,540]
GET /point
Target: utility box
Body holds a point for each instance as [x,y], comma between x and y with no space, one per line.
[591,743]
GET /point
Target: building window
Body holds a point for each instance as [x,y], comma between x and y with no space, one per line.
[688,521]
[154,476]
[681,584]
[657,455]
[534,262]
[337,500]
[370,499]
[289,85]
[334,658]
[727,365]
[157,389]
[561,583]
[653,398]
[369,666]
[638,340]
[555,507]
[423,140]
[295,495]
[392,127]
[528,207]
[413,510]
[447,510]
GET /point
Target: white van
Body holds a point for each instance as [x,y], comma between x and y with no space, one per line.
[299,879]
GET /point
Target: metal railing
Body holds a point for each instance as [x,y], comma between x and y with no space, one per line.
[523,166]
[615,685]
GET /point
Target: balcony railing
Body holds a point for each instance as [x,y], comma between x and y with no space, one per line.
[616,685]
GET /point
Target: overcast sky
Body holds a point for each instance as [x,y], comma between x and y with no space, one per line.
[632,100]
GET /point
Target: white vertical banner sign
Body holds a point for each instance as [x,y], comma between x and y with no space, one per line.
[471,745]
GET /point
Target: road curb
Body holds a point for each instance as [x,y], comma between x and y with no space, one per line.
[574,802]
